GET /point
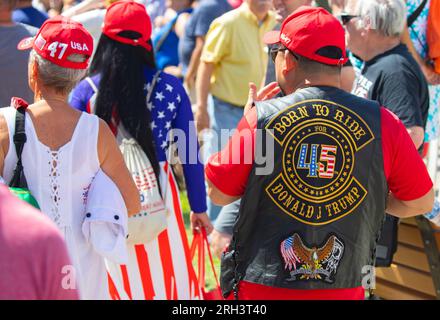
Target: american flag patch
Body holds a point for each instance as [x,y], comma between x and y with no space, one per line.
[40,42]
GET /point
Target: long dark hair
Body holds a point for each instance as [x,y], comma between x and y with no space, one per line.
[121,89]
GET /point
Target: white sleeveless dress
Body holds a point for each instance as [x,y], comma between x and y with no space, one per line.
[59,181]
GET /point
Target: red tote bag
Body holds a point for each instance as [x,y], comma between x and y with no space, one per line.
[199,247]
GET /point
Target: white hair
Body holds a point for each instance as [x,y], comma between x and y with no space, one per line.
[387,17]
[61,79]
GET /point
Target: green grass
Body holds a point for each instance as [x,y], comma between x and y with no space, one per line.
[210,280]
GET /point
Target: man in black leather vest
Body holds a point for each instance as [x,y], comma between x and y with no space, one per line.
[325,166]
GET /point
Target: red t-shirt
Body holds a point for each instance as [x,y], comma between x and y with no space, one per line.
[401,162]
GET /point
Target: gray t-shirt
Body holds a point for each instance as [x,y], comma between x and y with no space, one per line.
[14,64]
[227,217]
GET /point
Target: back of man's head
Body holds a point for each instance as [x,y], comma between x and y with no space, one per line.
[312,67]
[387,17]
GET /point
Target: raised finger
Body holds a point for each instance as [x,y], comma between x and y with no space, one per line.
[267,89]
[252,92]
[273,93]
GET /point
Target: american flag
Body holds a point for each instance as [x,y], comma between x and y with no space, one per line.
[163,107]
[288,253]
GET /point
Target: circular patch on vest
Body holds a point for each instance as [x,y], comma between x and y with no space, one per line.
[319,140]
[316,170]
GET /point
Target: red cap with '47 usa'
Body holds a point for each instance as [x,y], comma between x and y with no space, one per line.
[58,39]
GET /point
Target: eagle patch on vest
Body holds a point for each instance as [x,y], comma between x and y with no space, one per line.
[319,140]
[304,263]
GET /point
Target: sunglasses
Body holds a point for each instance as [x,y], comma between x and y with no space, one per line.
[275,49]
[345,18]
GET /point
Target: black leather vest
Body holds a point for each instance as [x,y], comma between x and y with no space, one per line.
[313,221]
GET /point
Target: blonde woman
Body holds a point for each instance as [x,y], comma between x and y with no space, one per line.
[64,150]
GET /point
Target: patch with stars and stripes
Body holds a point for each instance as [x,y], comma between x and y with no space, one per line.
[319,140]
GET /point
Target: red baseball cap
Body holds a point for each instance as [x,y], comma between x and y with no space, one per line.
[128,16]
[59,38]
[307,31]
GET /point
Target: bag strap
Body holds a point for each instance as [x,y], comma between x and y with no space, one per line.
[153,85]
[200,239]
[211,261]
[195,250]
[162,39]
[169,169]
[201,262]
[92,84]
[413,17]
[19,141]
[194,246]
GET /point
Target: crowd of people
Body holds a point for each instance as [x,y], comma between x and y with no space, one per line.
[298,127]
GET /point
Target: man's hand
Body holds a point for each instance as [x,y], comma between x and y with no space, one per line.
[266,93]
[431,76]
[189,82]
[200,220]
[219,242]
[201,118]
[190,79]
[417,135]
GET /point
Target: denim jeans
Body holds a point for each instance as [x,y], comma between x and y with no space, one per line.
[223,115]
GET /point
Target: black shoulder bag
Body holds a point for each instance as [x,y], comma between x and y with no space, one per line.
[18,184]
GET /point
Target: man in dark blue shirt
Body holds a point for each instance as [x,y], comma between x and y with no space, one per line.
[190,46]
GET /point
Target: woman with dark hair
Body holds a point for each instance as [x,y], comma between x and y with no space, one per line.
[122,75]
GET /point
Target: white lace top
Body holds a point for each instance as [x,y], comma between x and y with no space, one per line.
[59,181]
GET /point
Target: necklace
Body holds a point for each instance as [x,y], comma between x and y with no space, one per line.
[55,100]
[47,100]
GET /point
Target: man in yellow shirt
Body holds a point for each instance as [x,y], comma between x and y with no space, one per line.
[234,55]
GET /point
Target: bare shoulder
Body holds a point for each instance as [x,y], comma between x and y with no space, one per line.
[181,22]
[104,132]
[3,125]
[4,137]
[106,142]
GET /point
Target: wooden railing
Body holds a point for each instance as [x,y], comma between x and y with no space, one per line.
[410,275]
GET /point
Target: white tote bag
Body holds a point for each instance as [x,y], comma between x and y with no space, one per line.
[152,220]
